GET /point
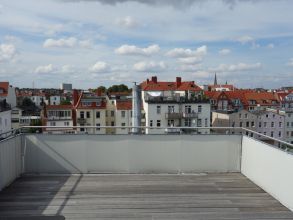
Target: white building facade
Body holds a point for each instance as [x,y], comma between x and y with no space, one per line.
[174,104]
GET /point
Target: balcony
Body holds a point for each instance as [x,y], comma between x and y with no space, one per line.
[173,99]
[55,118]
[144,177]
[173,115]
[190,115]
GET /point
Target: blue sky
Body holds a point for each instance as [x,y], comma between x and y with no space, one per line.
[96,42]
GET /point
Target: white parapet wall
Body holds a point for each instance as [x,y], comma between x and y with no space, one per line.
[10,160]
[132,153]
[270,168]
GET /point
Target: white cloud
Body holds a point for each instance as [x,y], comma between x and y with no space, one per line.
[63,42]
[182,53]
[290,63]
[7,52]
[67,43]
[225,51]
[99,67]
[67,69]
[236,67]
[245,39]
[144,66]
[45,69]
[134,50]
[191,67]
[271,46]
[127,22]
[86,43]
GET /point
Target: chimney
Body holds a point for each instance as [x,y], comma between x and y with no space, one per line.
[75,97]
[154,79]
[178,82]
[99,92]
[147,81]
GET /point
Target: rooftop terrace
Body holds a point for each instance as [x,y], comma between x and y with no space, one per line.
[47,176]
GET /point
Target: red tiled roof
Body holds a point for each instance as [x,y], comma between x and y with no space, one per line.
[4,86]
[167,86]
[230,87]
[124,105]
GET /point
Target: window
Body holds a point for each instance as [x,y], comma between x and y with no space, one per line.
[267,115]
[158,123]
[66,123]
[240,116]
[187,122]
[280,134]
[81,114]
[272,134]
[52,123]
[151,123]
[240,124]
[280,124]
[170,123]
[122,114]
[272,124]
[247,124]
[88,114]
[265,124]
[98,125]
[112,123]
[206,122]
[288,124]
[171,109]
[246,116]
[98,114]
[259,124]
[199,109]
[199,122]
[274,115]
[188,109]
[112,113]
[158,109]
[123,125]
[252,124]
[265,133]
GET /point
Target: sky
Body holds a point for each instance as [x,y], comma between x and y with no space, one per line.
[248,43]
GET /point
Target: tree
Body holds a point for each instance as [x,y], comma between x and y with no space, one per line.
[118,88]
[65,102]
[27,102]
[103,89]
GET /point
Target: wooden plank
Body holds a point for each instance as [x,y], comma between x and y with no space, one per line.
[202,196]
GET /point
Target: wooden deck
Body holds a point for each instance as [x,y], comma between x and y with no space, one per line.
[202,196]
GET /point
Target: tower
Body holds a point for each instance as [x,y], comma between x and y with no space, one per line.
[215,80]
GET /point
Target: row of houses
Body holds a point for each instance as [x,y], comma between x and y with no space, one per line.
[164,105]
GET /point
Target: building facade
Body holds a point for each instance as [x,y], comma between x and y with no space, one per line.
[174,104]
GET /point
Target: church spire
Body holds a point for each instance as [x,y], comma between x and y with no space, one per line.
[215,81]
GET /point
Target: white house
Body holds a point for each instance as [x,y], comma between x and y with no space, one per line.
[90,111]
[7,92]
[174,104]
[59,115]
[5,118]
[288,107]
[123,115]
[55,100]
